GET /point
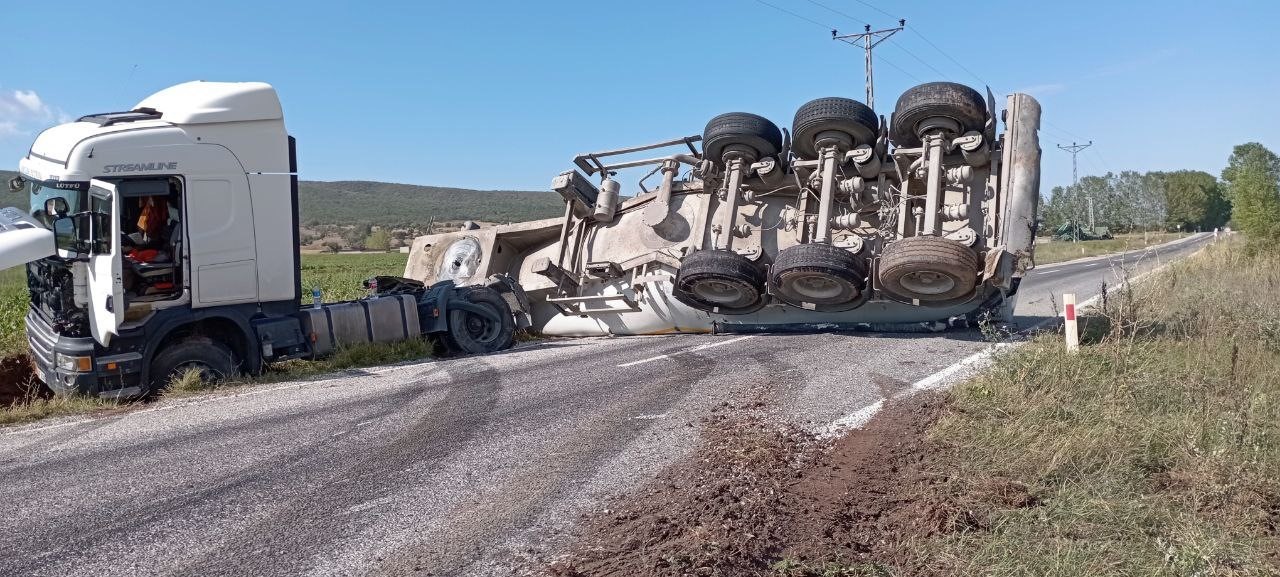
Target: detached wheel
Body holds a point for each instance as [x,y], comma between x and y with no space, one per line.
[946,100]
[818,276]
[843,115]
[928,269]
[472,333]
[211,358]
[720,281]
[740,128]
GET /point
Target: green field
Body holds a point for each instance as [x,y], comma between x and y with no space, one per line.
[339,276]
[13,307]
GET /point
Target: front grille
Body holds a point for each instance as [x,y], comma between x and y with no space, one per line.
[42,338]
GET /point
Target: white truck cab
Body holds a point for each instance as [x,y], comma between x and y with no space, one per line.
[165,238]
[176,219]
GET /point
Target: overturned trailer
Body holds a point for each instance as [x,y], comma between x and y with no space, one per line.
[844,222]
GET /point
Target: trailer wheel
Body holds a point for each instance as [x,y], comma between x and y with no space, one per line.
[834,114]
[928,269]
[472,334]
[719,281]
[741,128]
[949,100]
[213,359]
[818,276]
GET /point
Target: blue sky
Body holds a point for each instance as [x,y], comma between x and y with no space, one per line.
[502,94]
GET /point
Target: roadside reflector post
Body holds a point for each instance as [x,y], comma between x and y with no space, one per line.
[1070,327]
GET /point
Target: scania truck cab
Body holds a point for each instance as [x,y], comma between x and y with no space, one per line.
[164,238]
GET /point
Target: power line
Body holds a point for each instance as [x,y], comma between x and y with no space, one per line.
[780,9]
[869,39]
[864,22]
[834,11]
[1075,149]
[874,7]
[826,27]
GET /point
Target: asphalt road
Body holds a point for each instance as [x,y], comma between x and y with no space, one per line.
[458,467]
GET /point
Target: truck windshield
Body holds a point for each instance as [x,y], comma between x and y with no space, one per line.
[66,231]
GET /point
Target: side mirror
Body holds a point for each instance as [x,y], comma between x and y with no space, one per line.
[55,207]
[16,184]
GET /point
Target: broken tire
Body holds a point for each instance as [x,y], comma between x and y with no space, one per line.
[935,100]
[471,333]
[818,277]
[720,281]
[741,128]
[843,115]
[928,269]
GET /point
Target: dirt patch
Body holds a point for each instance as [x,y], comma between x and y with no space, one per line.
[18,381]
[761,500]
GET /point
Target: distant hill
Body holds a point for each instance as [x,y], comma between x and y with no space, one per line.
[398,205]
[405,205]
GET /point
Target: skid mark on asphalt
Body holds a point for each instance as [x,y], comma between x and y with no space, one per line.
[375,473]
[111,521]
[577,456]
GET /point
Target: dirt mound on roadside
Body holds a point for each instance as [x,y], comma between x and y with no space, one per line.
[758,500]
[18,381]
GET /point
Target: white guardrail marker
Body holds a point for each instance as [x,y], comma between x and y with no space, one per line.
[1070,328]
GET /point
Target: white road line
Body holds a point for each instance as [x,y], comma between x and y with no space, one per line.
[691,350]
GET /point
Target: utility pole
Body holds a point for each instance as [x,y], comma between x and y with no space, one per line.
[1075,149]
[869,39]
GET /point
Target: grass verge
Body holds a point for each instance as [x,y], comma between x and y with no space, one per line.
[1059,251]
[1155,451]
[39,404]
[42,407]
[346,358]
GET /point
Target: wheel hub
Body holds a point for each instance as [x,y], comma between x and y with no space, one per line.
[719,291]
[927,282]
[817,287]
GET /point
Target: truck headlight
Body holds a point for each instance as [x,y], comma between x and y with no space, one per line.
[461,260]
[73,364]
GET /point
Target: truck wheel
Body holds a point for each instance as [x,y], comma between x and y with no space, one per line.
[472,334]
[818,276]
[948,100]
[928,269]
[742,128]
[843,115]
[212,358]
[719,281]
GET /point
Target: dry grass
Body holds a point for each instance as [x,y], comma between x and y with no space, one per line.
[1058,251]
[1155,451]
[41,408]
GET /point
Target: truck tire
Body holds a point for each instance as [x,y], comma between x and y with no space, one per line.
[742,128]
[818,277]
[471,334]
[844,115]
[928,269]
[936,99]
[720,281]
[212,358]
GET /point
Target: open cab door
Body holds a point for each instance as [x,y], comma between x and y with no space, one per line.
[23,239]
[106,284]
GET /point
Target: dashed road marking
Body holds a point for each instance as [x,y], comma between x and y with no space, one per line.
[701,347]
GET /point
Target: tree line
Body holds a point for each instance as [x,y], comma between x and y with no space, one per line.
[1247,197]
[1134,201]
